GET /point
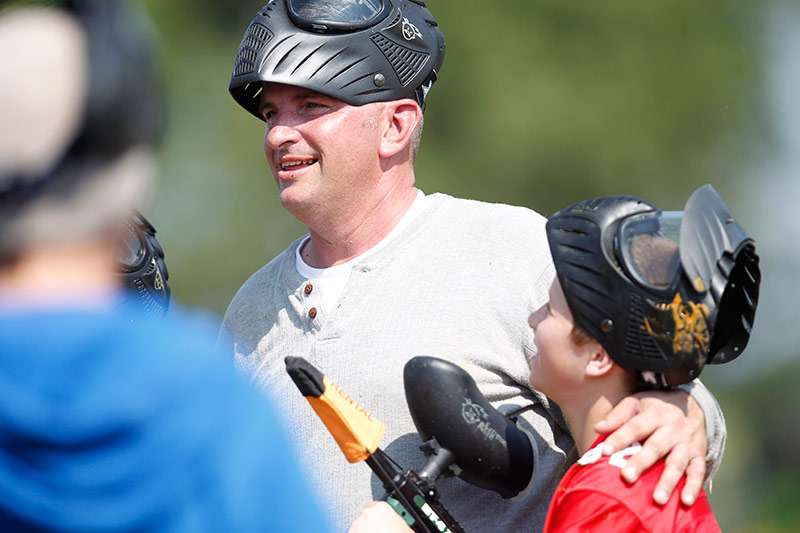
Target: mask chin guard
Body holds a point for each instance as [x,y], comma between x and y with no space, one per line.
[719,257]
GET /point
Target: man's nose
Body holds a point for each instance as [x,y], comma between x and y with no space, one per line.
[279,134]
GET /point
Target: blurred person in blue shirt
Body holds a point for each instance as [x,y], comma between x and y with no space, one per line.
[112,418]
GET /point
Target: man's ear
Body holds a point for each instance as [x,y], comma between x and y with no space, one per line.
[402,118]
[600,363]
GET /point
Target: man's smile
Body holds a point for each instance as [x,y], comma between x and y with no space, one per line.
[288,167]
[296,165]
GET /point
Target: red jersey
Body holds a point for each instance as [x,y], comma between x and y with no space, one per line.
[594,497]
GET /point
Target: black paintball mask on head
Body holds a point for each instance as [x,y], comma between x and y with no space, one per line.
[142,267]
[664,292]
[357,51]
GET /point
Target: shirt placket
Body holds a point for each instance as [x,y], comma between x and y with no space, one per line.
[310,308]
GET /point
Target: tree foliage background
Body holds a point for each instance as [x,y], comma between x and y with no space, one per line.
[541,103]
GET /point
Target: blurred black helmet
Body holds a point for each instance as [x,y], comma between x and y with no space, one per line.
[357,51]
[121,108]
[142,267]
[663,292]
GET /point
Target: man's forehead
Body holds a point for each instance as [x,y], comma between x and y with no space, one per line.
[271,92]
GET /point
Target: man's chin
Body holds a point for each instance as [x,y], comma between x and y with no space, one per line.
[293,200]
[287,191]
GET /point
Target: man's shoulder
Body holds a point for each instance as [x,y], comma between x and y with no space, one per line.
[269,273]
[264,280]
[497,226]
[477,209]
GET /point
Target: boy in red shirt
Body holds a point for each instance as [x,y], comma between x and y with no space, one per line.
[642,299]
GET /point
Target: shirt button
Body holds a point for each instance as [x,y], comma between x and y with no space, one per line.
[312,313]
[308,288]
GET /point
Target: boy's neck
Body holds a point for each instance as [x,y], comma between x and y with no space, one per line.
[595,401]
[51,276]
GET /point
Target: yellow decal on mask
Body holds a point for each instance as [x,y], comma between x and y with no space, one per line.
[690,331]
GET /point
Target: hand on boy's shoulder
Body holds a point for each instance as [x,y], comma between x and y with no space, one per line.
[671,426]
[617,459]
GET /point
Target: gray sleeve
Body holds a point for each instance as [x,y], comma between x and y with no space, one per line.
[227,333]
[716,431]
[227,343]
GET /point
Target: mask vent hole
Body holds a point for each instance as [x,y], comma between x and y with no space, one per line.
[395,20]
[637,341]
[254,40]
[405,62]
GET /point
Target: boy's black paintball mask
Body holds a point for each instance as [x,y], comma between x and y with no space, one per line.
[357,51]
[663,292]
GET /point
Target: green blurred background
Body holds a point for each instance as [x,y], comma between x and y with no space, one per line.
[541,103]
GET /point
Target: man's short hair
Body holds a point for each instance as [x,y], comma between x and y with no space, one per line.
[416,138]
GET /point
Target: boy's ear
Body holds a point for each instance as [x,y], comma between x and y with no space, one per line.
[402,119]
[600,363]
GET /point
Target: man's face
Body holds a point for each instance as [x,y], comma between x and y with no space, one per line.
[322,152]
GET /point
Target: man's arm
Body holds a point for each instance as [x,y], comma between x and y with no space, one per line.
[716,430]
[686,427]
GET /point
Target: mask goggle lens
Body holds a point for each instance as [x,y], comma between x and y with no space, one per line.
[132,251]
[648,245]
[337,15]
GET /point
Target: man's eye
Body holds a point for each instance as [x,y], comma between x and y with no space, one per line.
[315,105]
[268,114]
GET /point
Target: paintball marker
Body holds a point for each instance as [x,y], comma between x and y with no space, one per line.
[464,435]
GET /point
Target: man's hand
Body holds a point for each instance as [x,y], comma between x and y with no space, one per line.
[674,426]
[378,516]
